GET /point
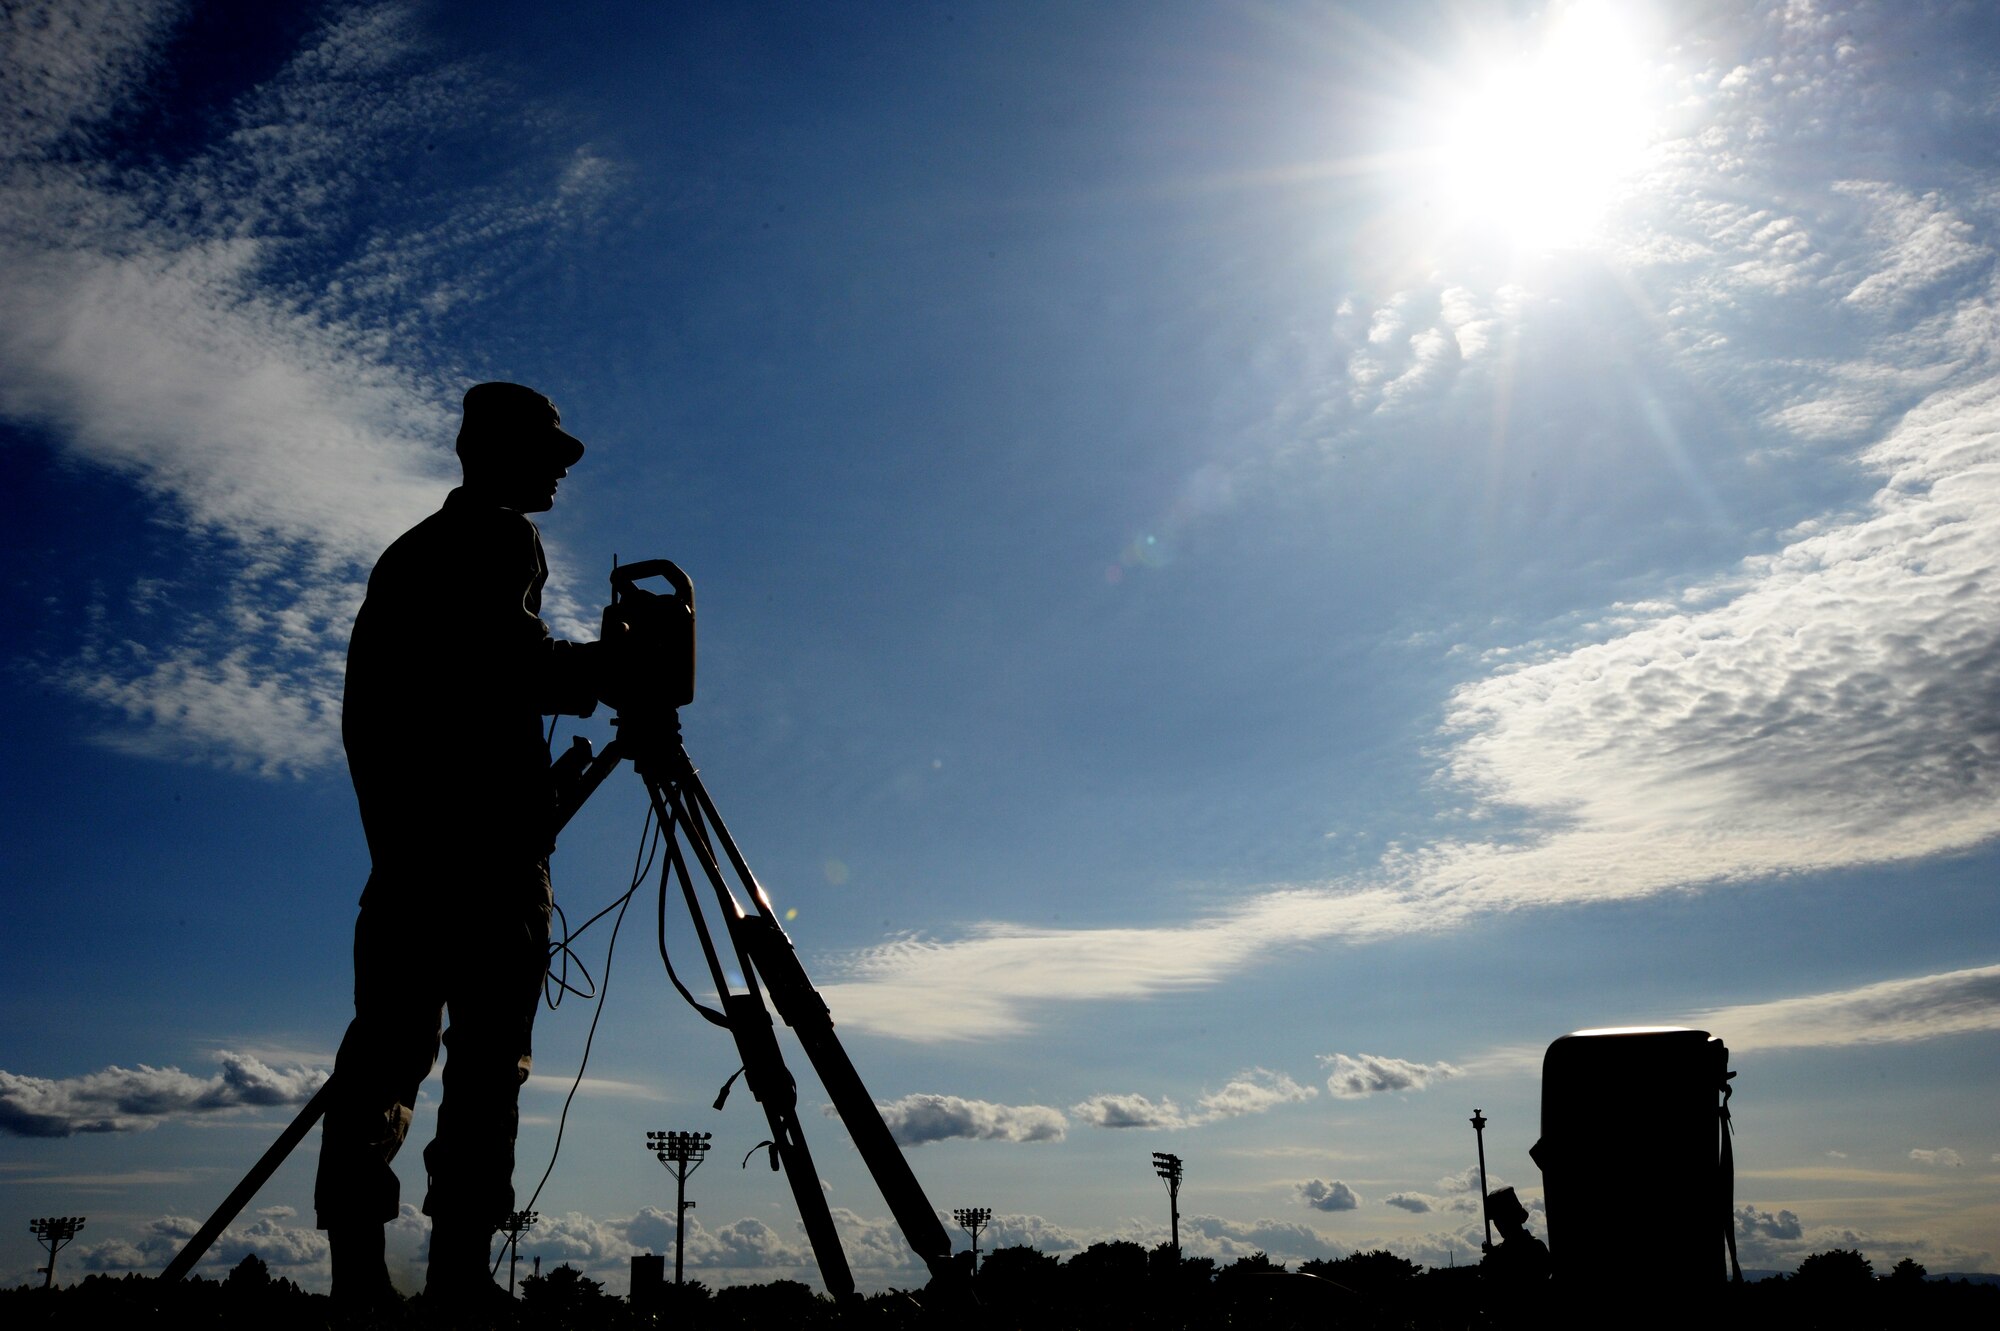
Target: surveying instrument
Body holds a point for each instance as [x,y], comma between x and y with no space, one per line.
[650,645]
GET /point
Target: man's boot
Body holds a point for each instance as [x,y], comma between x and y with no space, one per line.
[360,1273]
[459,1273]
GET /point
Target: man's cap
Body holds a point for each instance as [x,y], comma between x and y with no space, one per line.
[511,417]
[1504,1204]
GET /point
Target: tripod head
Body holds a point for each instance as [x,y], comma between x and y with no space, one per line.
[649,641]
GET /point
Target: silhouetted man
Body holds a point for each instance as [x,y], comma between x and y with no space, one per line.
[449,674]
[1516,1269]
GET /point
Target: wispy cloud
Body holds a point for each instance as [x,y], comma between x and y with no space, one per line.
[1827,706]
[135,1099]
[1919,1007]
[211,330]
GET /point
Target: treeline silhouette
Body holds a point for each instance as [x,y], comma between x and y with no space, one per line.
[1113,1286]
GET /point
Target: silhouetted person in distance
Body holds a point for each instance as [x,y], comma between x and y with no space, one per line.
[1516,1269]
[449,674]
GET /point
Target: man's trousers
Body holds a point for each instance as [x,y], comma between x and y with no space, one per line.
[462,938]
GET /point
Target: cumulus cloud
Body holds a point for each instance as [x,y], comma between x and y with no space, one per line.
[1413,1202]
[1129,1111]
[1251,1092]
[1459,1192]
[1321,1195]
[1782,1240]
[1763,1224]
[1226,1240]
[916,1119]
[139,1098]
[1351,1077]
[1032,1231]
[743,1250]
[298,1252]
[218,331]
[1943,1157]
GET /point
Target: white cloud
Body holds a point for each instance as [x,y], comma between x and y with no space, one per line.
[70,67]
[1826,707]
[1253,1092]
[1351,1077]
[1281,1240]
[1942,1158]
[1321,1195]
[1920,242]
[1129,1111]
[134,1099]
[297,1252]
[1921,1007]
[997,970]
[1031,1231]
[916,1119]
[1781,1241]
[1752,1222]
[206,330]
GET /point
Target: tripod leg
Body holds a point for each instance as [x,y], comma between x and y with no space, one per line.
[762,941]
[771,1082]
[764,1069]
[260,1172]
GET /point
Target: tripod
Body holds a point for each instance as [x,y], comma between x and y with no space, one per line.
[682,805]
[687,816]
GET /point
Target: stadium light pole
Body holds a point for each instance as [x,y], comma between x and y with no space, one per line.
[516,1222]
[1168,1167]
[682,1154]
[52,1232]
[1479,1132]
[972,1219]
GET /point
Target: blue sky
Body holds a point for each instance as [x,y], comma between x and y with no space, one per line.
[1257,564]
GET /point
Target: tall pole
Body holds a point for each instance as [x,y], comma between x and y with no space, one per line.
[1479,1131]
[682,1154]
[972,1219]
[53,1232]
[1168,1167]
[516,1222]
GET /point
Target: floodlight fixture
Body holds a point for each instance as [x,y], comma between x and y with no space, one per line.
[972,1219]
[512,1226]
[682,1154]
[1168,1166]
[52,1232]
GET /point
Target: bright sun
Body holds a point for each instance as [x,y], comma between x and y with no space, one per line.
[1537,148]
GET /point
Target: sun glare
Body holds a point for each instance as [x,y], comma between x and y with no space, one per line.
[1537,148]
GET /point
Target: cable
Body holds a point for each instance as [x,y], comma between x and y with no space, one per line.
[648,848]
[679,867]
[554,985]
